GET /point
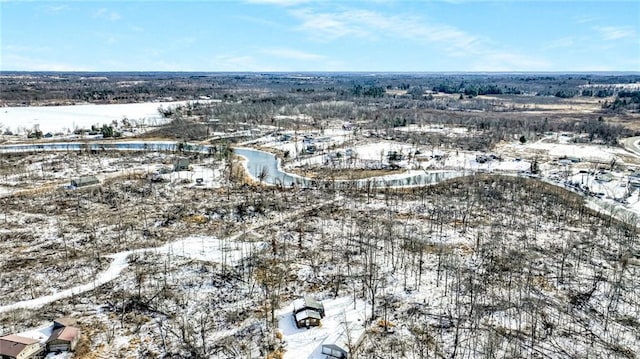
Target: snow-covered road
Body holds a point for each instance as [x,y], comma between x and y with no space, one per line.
[631,145]
[119,263]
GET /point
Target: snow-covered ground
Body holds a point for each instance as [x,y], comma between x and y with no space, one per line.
[65,119]
[449,131]
[584,152]
[200,248]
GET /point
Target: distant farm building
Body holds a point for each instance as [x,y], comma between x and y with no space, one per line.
[310,149]
[182,164]
[17,347]
[307,312]
[634,182]
[84,181]
[395,156]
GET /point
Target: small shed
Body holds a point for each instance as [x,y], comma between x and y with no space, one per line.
[307,318]
[181,164]
[14,346]
[84,181]
[308,302]
[341,343]
[64,336]
[63,339]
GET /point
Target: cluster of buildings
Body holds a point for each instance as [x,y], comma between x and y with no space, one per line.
[308,312]
[59,337]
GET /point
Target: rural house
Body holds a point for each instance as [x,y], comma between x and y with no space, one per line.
[307,312]
[64,336]
[307,302]
[84,181]
[17,347]
[307,318]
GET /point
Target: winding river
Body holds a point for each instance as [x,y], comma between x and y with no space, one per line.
[266,165]
[261,166]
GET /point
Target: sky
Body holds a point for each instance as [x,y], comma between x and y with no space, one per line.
[314,36]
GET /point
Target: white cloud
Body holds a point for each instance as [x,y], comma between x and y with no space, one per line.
[234,63]
[292,54]
[585,19]
[449,40]
[16,62]
[507,61]
[615,32]
[563,42]
[55,8]
[260,21]
[278,2]
[106,14]
[329,26]
[374,25]
[25,48]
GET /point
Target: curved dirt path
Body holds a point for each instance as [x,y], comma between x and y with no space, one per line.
[631,145]
[119,263]
[120,260]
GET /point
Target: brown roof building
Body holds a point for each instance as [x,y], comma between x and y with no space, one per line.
[17,347]
[63,339]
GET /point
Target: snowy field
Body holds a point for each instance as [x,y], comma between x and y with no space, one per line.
[449,131]
[64,119]
[584,152]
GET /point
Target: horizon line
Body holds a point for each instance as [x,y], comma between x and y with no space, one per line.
[359,72]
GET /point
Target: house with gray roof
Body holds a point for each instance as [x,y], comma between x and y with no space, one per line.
[343,343]
[84,181]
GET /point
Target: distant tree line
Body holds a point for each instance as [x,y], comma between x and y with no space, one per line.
[19,88]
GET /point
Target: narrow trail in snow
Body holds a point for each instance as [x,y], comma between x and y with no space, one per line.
[120,262]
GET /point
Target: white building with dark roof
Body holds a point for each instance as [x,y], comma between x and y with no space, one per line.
[17,347]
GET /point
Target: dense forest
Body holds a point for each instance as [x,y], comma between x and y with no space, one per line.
[25,88]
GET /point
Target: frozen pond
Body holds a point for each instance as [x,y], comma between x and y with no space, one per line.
[170,146]
[68,118]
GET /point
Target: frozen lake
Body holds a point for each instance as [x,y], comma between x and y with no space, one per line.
[67,118]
